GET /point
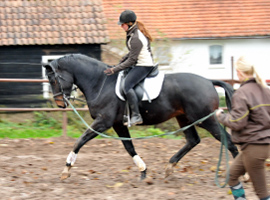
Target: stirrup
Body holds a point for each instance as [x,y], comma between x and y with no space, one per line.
[126,120]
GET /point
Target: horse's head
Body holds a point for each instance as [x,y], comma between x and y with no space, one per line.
[61,82]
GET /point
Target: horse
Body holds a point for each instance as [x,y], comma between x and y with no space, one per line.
[185,96]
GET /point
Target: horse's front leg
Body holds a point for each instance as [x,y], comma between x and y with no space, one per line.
[85,137]
[122,131]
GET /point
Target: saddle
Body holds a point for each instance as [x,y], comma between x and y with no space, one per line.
[147,90]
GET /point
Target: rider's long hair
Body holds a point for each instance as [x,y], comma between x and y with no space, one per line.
[247,68]
[144,30]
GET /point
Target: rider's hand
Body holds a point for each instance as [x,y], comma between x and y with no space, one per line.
[109,71]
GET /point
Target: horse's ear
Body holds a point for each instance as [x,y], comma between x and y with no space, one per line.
[48,67]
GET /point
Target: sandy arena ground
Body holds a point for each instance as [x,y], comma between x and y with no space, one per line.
[31,168]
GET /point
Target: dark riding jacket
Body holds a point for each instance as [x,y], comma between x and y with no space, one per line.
[139,51]
[249,118]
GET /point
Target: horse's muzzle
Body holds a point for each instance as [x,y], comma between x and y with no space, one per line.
[61,102]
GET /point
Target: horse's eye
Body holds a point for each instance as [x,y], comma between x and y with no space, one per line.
[52,80]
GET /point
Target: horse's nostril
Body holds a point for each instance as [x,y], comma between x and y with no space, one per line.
[60,106]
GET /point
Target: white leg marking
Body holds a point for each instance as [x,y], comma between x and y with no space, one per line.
[71,158]
[139,162]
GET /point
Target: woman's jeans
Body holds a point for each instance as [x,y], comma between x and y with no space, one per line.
[135,76]
[251,160]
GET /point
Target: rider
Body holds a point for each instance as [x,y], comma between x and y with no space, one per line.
[138,63]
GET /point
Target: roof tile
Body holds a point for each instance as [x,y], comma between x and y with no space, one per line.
[49,22]
[193,18]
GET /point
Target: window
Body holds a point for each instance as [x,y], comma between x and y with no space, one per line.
[215,52]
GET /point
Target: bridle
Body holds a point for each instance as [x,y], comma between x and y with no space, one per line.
[58,78]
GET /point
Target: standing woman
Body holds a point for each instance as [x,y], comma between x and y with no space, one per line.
[138,62]
[249,121]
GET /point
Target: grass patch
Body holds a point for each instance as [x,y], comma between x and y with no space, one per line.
[14,130]
[43,129]
[35,130]
[151,131]
[46,125]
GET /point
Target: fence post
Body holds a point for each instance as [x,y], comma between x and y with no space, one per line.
[64,124]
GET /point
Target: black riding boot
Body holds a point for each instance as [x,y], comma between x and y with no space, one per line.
[136,118]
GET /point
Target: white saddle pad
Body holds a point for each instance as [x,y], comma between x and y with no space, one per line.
[152,85]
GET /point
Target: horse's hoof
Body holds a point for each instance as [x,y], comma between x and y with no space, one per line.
[169,169]
[143,175]
[65,175]
[148,181]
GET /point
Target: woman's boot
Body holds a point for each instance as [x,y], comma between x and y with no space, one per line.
[133,104]
[238,192]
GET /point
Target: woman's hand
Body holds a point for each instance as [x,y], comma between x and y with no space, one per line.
[109,71]
[219,111]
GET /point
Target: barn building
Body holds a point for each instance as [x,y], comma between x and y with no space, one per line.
[35,31]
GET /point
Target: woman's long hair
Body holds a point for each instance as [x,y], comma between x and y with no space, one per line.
[247,68]
[144,30]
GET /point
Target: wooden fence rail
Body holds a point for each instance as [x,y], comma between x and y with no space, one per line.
[23,80]
[64,121]
[64,111]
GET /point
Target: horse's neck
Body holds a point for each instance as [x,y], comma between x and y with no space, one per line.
[92,84]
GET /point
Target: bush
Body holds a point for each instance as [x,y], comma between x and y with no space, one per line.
[42,119]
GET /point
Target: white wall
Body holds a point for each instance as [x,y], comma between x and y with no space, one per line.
[193,56]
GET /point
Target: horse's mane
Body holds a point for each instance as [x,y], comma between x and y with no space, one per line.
[75,57]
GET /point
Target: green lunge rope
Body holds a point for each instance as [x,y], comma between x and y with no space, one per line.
[139,138]
[223,139]
[224,142]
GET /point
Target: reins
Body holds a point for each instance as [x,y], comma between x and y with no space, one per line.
[82,100]
[101,88]
[223,141]
[77,99]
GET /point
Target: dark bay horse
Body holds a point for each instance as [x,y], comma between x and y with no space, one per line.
[185,96]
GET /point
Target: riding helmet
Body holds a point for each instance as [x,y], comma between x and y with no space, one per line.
[127,16]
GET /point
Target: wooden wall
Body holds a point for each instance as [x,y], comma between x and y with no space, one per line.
[31,94]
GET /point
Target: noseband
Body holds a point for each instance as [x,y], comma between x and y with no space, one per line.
[61,93]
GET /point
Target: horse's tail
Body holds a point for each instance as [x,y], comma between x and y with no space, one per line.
[228,91]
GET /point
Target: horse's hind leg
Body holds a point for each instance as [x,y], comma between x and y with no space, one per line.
[213,126]
[192,139]
[122,131]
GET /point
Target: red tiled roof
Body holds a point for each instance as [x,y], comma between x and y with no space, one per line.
[193,18]
[31,22]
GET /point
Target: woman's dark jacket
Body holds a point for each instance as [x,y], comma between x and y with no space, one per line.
[139,51]
[249,118]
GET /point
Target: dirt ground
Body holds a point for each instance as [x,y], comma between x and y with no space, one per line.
[30,169]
